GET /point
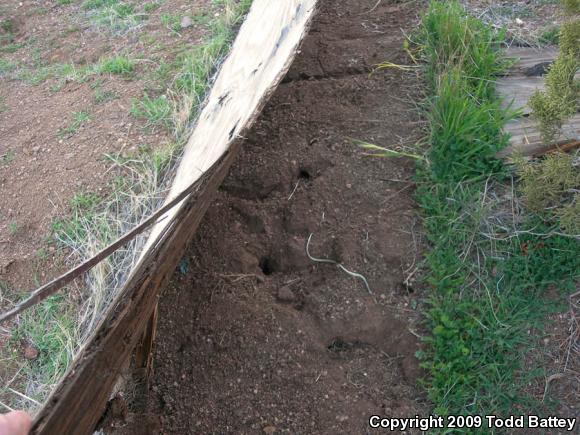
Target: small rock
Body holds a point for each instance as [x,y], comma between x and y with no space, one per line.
[30,352]
[186,22]
[269,430]
[285,294]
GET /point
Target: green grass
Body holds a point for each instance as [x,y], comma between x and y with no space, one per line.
[116,65]
[12,47]
[64,2]
[78,119]
[102,96]
[49,328]
[13,228]
[487,276]
[186,78]
[7,157]
[171,21]
[7,67]
[116,15]
[550,36]
[157,111]
[151,6]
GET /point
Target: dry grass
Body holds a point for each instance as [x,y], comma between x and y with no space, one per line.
[60,325]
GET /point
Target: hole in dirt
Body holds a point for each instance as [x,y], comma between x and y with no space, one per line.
[304,174]
[339,345]
[267,266]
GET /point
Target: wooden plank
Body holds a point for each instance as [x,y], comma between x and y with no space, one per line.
[529,57]
[526,139]
[516,91]
[261,55]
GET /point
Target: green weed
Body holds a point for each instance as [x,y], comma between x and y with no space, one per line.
[157,111]
[103,96]
[152,6]
[7,157]
[116,65]
[550,36]
[13,228]
[79,118]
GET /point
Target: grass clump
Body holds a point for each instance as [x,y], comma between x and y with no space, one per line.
[116,65]
[7,157]
[550,36]
[116,15]
[450,40]
[157,111]
[78,119]
[487,268]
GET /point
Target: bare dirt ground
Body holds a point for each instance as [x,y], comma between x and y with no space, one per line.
[254,337]
[42,170]
[45,158]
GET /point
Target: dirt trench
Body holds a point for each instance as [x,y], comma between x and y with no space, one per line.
[255,337]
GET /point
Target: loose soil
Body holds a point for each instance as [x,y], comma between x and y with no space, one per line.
[254,337]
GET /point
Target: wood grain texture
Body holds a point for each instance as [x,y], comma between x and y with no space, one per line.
[261,55]
[527,57]
[526,140]
[516,91]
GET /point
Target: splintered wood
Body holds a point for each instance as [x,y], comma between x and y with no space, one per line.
[260,56]
[523,79]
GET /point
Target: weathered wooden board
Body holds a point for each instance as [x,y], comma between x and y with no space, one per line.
[528,57]
[516,89]
[525,137]
[262,53]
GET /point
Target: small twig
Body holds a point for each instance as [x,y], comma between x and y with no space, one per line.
[52,287]
[25,397]
[295,187]
[340,266]
[374,7]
